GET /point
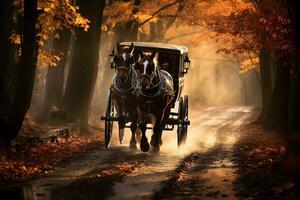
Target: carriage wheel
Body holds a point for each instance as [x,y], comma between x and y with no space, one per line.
[180,128]
[182,116]
[108,122]
[185,117]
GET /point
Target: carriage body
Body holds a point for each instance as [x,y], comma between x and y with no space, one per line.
[173,59]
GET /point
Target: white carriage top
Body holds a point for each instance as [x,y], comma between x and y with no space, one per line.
[182,49]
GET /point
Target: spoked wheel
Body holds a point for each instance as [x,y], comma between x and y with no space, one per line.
[183,117]
[108,122]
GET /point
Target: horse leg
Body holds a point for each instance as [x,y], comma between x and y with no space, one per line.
[162,123]
[138,135]
[133,128]
[154,121]
[144,141]
[152,142]
[121,121]
[157,133]
[156,129]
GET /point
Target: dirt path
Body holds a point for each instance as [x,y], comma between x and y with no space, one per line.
[201,169]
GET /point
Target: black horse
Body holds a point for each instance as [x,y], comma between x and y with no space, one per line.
[123,87]
[154,92]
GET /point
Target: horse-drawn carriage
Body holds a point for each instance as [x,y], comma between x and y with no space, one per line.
[147,88]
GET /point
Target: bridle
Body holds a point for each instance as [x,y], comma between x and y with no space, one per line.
[123,67]
[131,81]
[150,77]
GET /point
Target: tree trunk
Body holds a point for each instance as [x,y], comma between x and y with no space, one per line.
[4,46]
[294,122]
[84,64]
[278,110]
[129,30]
[5,14]
[291,157]
[265,58]
[25,76]
[56,75]
[163,28]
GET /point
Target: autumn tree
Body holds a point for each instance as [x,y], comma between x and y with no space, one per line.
[14,107]
[84,64]
[57,22]
[55,79]
[27,27]
[258,29]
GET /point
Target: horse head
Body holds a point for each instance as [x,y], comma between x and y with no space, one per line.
[146,68]
[123,60]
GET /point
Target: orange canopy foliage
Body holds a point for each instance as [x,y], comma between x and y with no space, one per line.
[248,25]
[54,16]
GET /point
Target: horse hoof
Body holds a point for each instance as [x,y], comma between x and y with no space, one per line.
[155,150]
[132,145]
[144,145]
[152,142]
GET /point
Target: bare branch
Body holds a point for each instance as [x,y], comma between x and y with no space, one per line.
[159,10]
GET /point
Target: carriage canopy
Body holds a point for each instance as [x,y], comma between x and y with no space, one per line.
[181,49]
